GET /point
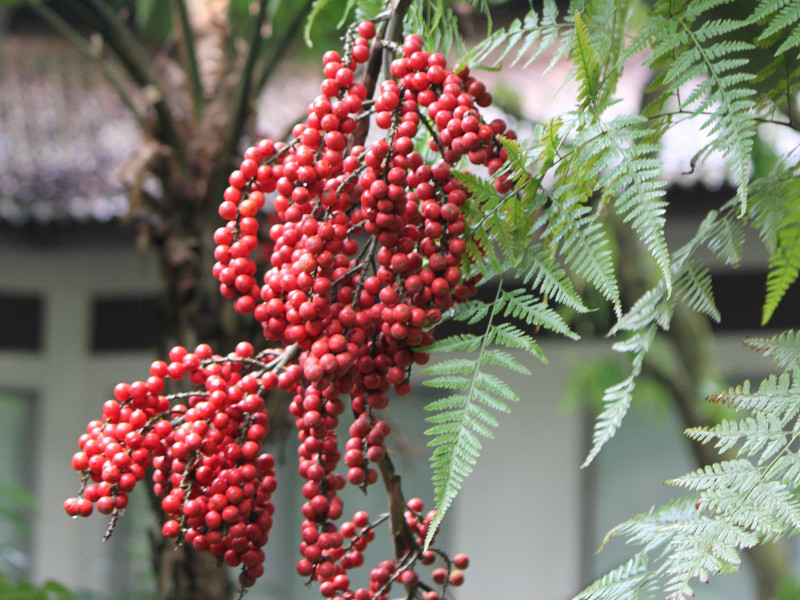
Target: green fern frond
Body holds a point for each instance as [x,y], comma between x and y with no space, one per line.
[543,275]
[776,396]
[760,435]
[707,546]
[617,398]
[587,65]
[654,310]
[461,342]
[783,348]
[494,356]
[461,418]
[649,529]
[521,161]
[520,304]
[447,403]
[627,582]
[513,337]
[727,474]
[449,382]
[685,52]
[751,499]
[450,366]
[769,510]
[617,158]
[768,202]
[583,242]
[784,264]
[649,308]
[637,188]
[472,311]
[608,24]
[786,469]
[496,387]
[528,39]
[316,8]
[439,22]
[726,241]
[781,15]
[694,287]
[500,223]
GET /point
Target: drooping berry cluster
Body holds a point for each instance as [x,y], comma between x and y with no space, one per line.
[209,470]
[366,257]
[367,253]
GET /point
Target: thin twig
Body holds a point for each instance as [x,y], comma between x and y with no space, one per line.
[243,93]
[186,44]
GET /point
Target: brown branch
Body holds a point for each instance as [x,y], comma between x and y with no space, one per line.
[392,33]
[403,537]
[242,96]
[186,45]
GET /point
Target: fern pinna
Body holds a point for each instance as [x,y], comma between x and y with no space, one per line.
[751,498]
[463,416]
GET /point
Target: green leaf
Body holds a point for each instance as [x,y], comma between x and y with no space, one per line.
[783,348]
[461,418]
[316,9]
[587,63]
[784,264]
[521,305]
[627,582]
[683,52]
[548,278]
[694,288]
[617,398]
[751,499]
[528,38]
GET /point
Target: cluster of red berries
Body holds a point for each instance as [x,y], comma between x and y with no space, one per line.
[367,254]
[343,549]
[208,468]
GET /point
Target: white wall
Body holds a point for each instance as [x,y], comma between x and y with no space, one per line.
[69,385]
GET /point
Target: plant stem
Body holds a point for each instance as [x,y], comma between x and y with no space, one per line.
[186,44]
[243,94]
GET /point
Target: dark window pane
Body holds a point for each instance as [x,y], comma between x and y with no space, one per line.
[20,322]
[125,323]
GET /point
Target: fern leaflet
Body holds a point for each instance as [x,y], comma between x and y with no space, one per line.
[617,398]
[654,310]
[784,264]
[690,54]
[529,37]
[751,499]
[460,419]
[626,582]
[782,15]
[783,349]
